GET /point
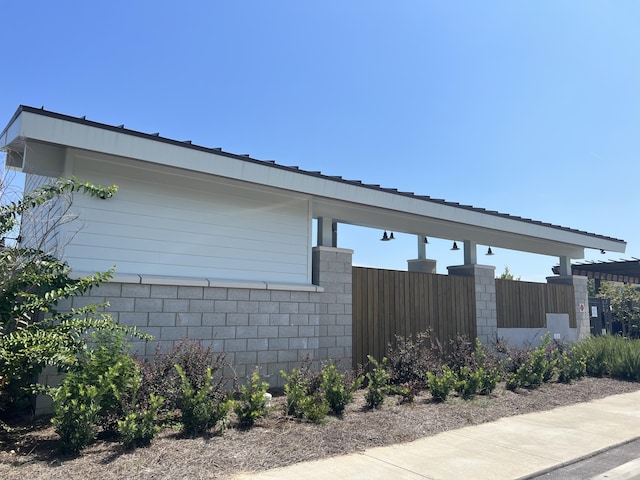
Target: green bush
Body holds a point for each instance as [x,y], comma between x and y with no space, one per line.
[252,401]
[160,377]
[571,365]
[468,382]
[304,397]
[440,385]
[76,407]
[534,368]
[611,355]
[337,388]
[491,365]
[95,392]
[200,410]
[33,283]
[108,365]
[139,427]
[597,353]
[377,382]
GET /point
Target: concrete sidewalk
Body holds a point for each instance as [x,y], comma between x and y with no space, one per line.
[510,448]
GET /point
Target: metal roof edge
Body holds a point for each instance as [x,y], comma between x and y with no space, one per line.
[270,163]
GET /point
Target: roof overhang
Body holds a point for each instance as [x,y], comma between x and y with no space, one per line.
[626,271]
[345,201]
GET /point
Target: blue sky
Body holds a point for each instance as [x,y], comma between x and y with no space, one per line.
[528,108]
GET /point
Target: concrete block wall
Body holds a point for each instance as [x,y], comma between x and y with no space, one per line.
[260,324]
[486,310]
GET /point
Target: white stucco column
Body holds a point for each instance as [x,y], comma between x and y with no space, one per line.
[470,253]
[422,263]
[327,232]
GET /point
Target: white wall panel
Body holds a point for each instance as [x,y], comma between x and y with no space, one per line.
[170,222]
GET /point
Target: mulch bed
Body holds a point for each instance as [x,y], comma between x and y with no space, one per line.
[32,453]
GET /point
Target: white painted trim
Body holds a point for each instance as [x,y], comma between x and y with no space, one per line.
[203,282]
[334,249]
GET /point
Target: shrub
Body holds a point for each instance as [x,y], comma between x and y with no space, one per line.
[95,391]
[409,358]
[160,377]
[377,382]
[491,363]
[76,407]
[440,385]
[460,353]
[468,382]
[337,388]
[139,427]
[200,409]
[534,367]
[597,352]
[252,402]
[304,398]
[611,355]
[571,365]
[33,283]
[108,365]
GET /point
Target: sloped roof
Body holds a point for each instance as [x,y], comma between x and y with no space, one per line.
[528,238]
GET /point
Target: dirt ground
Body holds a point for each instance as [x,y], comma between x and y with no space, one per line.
[278,440]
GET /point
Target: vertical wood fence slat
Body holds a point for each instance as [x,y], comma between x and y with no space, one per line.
[388,303]
[525,304]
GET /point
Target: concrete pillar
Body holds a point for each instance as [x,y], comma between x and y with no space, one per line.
[327,232]
[470,253]
[333,271]
[565,266]
[422,265]
[581,292]
[486,310]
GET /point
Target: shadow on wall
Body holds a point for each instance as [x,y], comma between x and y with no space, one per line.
[557,326]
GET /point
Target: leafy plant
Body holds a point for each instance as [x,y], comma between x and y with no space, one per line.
[489,365]
[76,406]
[377,382]
[441,384]
[534,368]
[160,377]
[252,403]
[200,411]
[409,358]
[304,398]
[571,365]
[338,390]
[139,427]
[468,382]
[107,364]
[32,283]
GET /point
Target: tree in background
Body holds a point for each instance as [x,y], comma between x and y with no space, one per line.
[33,334]
[507,275]
[625,306]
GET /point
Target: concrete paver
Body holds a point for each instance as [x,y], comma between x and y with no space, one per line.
[510,448]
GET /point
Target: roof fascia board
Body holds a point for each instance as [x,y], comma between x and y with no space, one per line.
[32,124]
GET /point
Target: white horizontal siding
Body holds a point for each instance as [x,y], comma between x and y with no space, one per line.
[172,223]
[38,225]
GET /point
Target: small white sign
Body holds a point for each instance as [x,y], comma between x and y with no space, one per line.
[594,311]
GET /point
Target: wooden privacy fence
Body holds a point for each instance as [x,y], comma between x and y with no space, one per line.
[525,304]
[389,302]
